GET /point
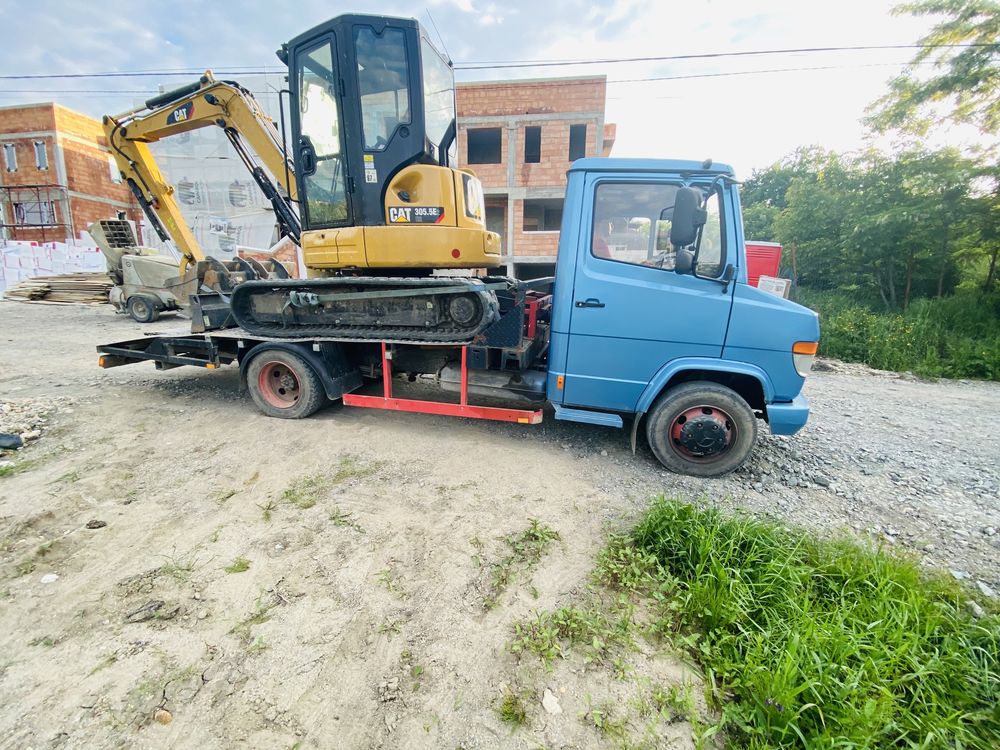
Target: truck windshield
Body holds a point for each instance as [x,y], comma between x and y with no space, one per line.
[439,96]
[383,81]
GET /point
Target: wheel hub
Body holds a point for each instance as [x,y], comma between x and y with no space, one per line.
[702,431]
[278,385]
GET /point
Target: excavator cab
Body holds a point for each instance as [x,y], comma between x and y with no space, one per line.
[373,130]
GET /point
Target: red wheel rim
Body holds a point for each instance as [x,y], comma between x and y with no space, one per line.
[279,385]
[719,433]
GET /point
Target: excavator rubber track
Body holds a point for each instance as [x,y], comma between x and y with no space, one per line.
[427,309]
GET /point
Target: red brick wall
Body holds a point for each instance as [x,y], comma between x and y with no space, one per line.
[531,97]
[38,118]
[523,100]
[86,168]
[532,243]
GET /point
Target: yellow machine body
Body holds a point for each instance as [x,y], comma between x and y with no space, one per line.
[434,219]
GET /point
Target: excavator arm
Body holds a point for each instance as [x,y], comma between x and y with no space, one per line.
[205,103]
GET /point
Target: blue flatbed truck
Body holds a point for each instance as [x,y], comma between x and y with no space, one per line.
[649,321]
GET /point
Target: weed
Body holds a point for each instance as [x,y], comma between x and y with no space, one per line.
[239,565]
[512,709]
[598,630]
[70,477]
[673,703]
[604,721]
[261,614]
[216,534]
[266,510]
[178,568]
[45,548]
[388,579]
[224,495]
[389,627]
[258,646]
[305,492]
[104,663]
[25,567]
[345,519]
[526,550]
[416,671]
[17,467]
[43,640]
[350,467]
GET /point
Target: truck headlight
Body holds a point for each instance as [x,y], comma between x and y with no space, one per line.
[803,356]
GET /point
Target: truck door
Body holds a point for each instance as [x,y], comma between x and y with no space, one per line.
[632,313]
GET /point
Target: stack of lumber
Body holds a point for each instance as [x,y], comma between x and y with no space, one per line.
[71,288]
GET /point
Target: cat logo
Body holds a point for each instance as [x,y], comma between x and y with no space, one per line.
[399,215]
[416,214]
[181,114]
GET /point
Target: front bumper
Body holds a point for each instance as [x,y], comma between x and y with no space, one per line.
[789,417]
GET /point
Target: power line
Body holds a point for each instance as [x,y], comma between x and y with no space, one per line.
[501,64]
[705,55]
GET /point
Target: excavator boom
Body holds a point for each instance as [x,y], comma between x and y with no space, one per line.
[202,104]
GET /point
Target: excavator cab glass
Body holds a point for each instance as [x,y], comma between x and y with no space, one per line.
[371,95]
[320,165]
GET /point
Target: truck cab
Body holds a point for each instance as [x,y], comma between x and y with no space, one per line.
[652,315]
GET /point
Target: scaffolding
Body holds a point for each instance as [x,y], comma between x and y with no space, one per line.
[28,213]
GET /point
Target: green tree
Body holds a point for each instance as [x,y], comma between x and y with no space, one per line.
[964,86]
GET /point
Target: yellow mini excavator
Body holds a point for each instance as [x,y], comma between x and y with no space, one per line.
[368,191]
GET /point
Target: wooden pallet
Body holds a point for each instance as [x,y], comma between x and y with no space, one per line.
[66,289]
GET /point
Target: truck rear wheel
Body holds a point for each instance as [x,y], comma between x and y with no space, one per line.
[702,429]
[142,309]
[282,384]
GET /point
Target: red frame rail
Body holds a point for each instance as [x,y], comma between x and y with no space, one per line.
[462,409]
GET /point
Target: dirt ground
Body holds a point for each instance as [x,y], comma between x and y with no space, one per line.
[177,570]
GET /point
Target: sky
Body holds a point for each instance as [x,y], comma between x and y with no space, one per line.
[721,108]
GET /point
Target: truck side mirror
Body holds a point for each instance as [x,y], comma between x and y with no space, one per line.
[688,217]
[683,261]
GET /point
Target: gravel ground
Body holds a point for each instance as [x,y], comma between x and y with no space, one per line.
[124,620]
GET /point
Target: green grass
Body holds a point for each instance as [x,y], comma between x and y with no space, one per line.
[511,709]
[813,643]
[306,491]
[239,565]
[17,467]
[952,337]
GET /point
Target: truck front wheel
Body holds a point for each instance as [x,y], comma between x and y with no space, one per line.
[702,429]
[282,384]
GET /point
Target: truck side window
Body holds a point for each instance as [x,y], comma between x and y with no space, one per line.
[710,259]
[632,225]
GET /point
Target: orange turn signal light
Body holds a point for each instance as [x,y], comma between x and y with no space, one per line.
[100,362]
[805,347]
[560,382]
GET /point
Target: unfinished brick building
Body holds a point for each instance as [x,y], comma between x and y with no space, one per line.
[56,174]
[520,137]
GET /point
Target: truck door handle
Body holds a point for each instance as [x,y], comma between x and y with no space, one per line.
[589,302]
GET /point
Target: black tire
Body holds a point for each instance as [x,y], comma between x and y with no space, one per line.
[724,418]
[284,385]
[142,309]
